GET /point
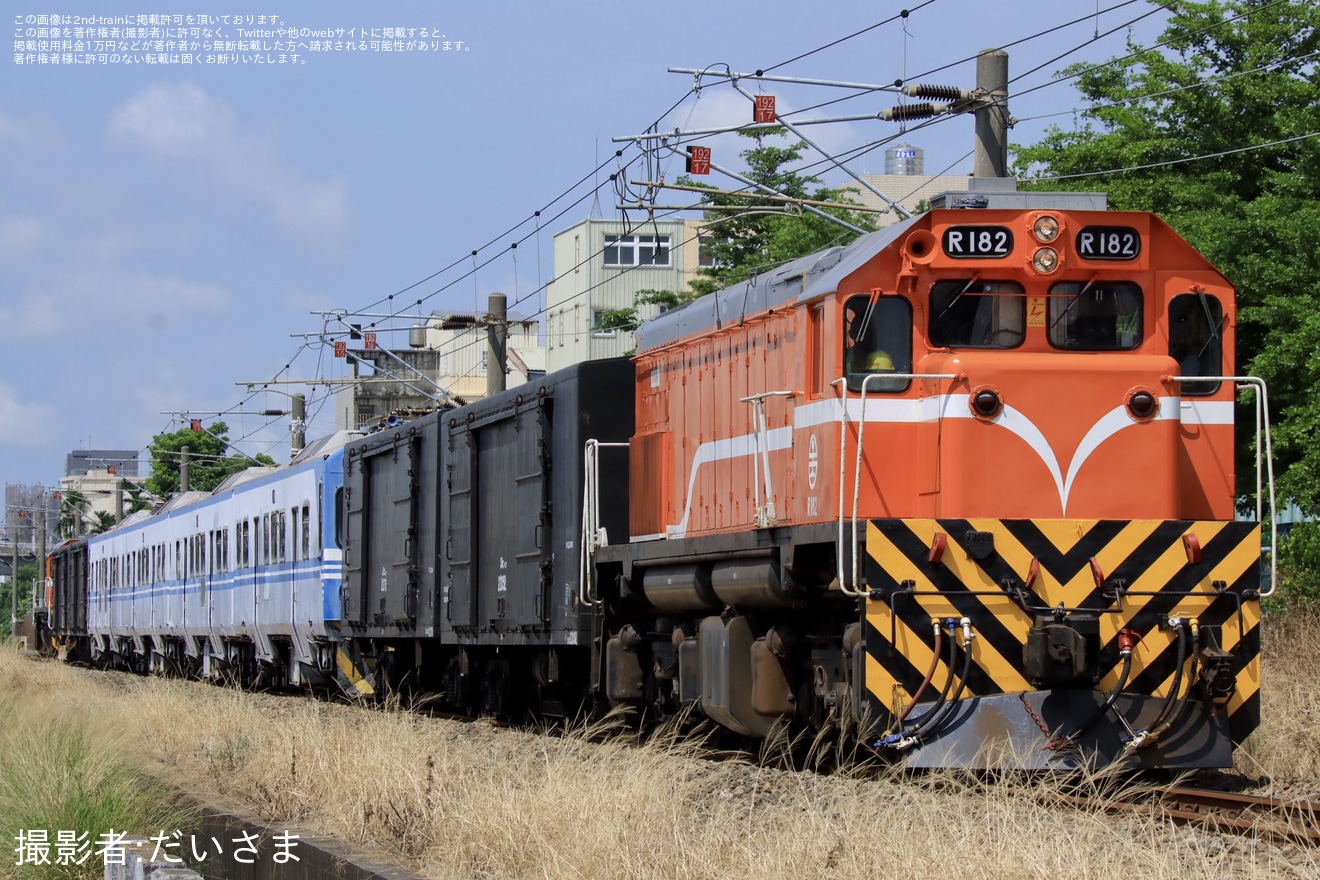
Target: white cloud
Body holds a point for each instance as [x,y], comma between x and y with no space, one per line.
[33,133]
[201,136]
[111,300]
[19,237]
[23,423]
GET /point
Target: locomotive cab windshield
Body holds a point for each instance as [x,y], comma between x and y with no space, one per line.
[1095,316]
[973,313]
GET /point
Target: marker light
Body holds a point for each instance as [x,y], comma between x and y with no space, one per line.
[1142,405]
[986,404]
[1046,229]
[1046,260]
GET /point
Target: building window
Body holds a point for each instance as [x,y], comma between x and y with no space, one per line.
[705,255]
[636,250]
[597,318]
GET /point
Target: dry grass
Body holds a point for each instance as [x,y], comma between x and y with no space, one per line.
[1287,744]
[458,800]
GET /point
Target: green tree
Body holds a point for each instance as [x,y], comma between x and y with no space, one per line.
[1299,566]
[629,318]
[208,465]
[750,234]
[26,574]
[73,509]
[747,234]
[104,523]
[1232,76]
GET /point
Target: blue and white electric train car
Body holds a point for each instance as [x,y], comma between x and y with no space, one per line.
[239,583]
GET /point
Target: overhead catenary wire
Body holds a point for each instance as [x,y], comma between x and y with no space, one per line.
[1300,137]
[537,219]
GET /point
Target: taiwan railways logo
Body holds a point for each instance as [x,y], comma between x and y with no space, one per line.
[813,462]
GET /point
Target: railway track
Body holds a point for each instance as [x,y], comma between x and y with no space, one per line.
[1219,811]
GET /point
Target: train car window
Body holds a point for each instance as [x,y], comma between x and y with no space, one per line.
[1196,322]
[265,539]
[341,517]
[971,313]
[817,332]
[307,531]
[877,338]
[1095,316]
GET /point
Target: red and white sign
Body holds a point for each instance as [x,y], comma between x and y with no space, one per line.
[698,160]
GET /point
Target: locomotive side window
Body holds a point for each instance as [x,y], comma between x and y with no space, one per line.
[877,338]
[1195,342]
[1095,316]
[970,313]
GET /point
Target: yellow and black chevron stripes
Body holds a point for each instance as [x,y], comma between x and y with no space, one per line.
[1126,574]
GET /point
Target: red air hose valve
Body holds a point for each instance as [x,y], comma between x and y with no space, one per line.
[1126,639]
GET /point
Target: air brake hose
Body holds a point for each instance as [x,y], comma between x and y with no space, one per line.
[1177,676]
[944,712]
[1126,638]
[930,673]
[944,692]
[1142,737]
[1181,706]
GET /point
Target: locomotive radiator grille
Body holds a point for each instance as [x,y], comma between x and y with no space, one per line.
[1100,576]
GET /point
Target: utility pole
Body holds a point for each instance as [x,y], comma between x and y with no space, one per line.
[13,589]
[40,600]
[992,115]
[298,425]
[497,335]
[183,469]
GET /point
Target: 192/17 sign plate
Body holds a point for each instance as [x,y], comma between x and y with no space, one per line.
[970,242]
[1108,243]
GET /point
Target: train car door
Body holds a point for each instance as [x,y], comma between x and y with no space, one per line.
[463,506]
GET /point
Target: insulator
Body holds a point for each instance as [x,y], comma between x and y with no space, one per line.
[912,111]
[944,93]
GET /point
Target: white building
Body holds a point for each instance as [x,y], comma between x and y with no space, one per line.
[600,266]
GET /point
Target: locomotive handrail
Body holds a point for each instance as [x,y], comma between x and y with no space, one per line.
[1264,459]
[761,459]
[593,536]
[857,468]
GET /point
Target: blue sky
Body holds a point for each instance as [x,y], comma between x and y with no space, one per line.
[167,231]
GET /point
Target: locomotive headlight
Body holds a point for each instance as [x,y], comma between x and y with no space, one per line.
[1046,229]
[1046,260]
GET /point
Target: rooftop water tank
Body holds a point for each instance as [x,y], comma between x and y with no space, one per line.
[905,159]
